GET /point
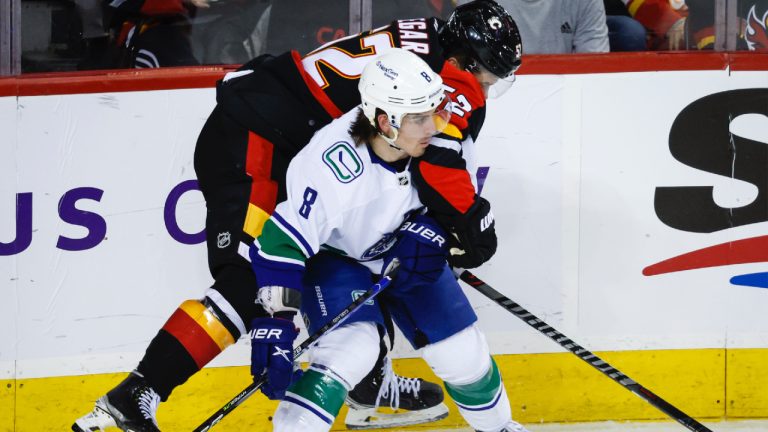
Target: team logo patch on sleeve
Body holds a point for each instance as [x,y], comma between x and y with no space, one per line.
[343,161]
[356,294]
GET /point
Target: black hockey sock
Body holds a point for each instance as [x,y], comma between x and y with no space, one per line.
[166,364]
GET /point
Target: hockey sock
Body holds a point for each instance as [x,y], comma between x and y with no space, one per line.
[483,403]
[191,338]
[311,404]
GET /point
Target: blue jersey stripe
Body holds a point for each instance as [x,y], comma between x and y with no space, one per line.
[308,407]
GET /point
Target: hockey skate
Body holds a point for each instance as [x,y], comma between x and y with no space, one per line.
[130,406]
[410,401]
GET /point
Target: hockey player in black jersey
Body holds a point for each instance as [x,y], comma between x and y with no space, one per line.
[266,112]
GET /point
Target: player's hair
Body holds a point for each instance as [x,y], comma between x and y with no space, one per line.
[462,56]
[361,130]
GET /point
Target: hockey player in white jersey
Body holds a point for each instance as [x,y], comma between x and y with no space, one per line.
[350,210]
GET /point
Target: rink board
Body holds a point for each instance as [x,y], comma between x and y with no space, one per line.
[100,229]
[556,387]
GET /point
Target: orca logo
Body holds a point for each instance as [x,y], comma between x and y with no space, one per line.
[380,247]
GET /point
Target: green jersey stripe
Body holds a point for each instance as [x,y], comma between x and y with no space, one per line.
[277,243]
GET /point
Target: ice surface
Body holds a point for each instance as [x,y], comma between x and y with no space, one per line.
[723,426]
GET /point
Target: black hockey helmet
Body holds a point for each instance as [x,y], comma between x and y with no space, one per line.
[488,32]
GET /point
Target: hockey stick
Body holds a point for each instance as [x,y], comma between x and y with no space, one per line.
[299,350]
[593,360]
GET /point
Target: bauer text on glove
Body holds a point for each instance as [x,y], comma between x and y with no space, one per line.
[272,354]
[421,248]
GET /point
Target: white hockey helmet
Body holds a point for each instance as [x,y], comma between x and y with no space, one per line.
[399,82]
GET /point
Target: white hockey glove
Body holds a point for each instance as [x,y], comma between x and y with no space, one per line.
[276,299]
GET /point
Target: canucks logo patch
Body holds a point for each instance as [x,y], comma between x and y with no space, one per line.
[356,294]
[343,160]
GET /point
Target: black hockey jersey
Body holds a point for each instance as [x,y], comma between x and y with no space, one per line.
[288,98]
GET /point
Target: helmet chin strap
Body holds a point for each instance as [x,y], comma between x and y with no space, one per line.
[391,141]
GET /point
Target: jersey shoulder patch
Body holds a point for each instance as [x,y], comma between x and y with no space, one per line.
[343,161]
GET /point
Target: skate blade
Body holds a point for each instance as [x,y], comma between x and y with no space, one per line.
[371,418]
[96,420]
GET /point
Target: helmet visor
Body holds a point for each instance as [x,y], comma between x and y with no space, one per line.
[493,86]
[431,122]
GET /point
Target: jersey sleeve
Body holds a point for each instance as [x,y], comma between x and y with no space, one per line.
[296,229]
[442,181]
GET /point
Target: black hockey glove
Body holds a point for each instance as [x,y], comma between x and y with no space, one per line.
[474,236]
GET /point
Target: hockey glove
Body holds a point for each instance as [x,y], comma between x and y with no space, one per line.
[422,248]
[474,236]
[272,354]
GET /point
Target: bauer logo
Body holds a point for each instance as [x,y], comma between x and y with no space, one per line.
[701,138]
[264,333]
[424,232]
[343,161]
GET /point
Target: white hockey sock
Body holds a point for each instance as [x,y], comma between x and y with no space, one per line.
[291,417]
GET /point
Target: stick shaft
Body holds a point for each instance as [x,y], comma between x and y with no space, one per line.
[583,353]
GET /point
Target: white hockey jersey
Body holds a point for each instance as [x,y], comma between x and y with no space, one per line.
[341,197]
